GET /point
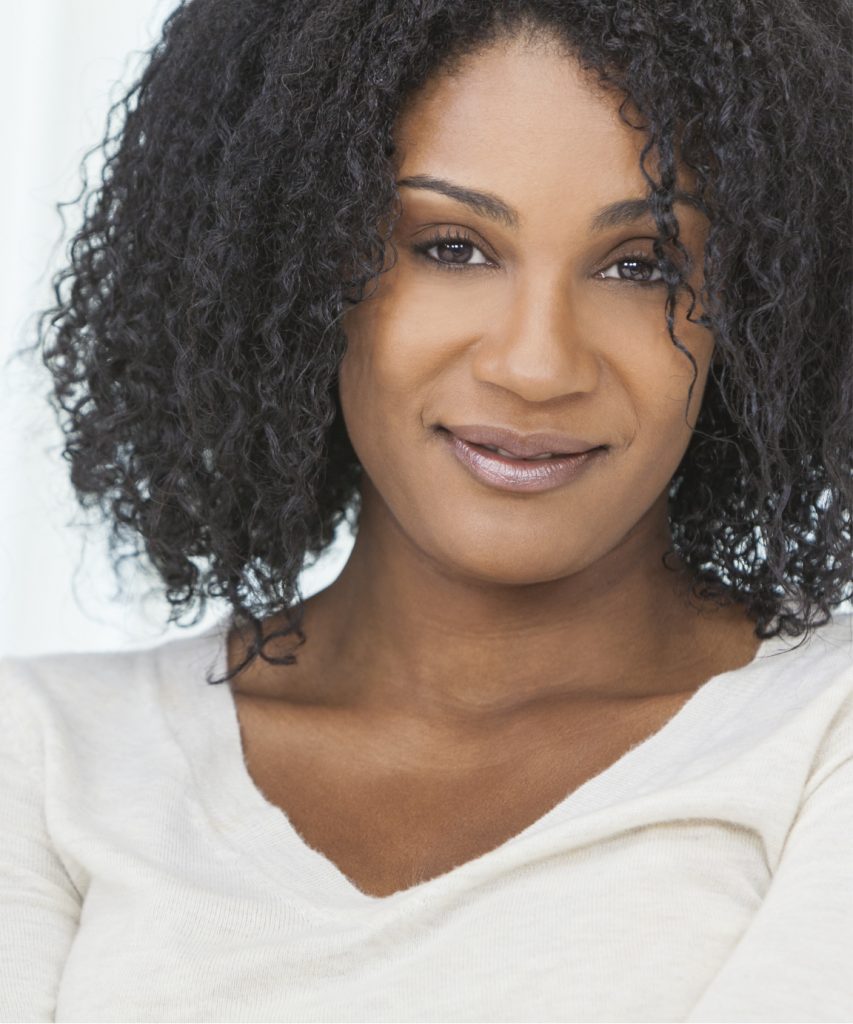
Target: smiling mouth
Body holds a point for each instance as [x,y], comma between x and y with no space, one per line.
[499,469]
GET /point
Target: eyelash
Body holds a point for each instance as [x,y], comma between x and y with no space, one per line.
[422,249]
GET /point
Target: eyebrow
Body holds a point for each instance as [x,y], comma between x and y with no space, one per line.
[487,204]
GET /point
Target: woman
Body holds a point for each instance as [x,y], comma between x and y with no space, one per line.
[549,301]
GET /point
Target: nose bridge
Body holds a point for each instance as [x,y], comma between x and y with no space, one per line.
[537,348]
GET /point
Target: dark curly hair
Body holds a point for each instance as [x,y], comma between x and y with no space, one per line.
[244,204]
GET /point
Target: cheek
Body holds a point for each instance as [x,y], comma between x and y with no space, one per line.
[646,387]
[699,343]
[656,373]
[383,377]
[656,436]
[356,377]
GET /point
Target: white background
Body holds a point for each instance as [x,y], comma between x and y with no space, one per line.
[62,63]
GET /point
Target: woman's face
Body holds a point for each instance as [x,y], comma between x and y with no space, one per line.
[534,319]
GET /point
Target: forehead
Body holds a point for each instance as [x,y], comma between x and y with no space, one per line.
[524,121]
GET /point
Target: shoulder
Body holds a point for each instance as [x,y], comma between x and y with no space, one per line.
[823,658]
[821,675]
[82,693]
[837,637]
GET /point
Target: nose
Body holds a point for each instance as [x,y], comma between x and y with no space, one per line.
[539,349]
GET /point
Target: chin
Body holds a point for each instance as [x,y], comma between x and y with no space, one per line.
[490,560]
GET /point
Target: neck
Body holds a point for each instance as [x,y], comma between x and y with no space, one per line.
[398,631]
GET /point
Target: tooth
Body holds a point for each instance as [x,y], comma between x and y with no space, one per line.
[510,455]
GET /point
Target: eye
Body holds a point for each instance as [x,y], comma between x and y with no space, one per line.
[453,250]
[639,270]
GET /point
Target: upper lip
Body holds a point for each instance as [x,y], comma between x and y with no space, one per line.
[523,446]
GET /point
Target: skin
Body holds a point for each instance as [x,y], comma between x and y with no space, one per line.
[485,652]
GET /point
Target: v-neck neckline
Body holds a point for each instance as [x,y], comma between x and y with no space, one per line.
[207,727]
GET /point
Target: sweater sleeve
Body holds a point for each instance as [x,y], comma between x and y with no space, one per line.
[39,905]
[795,960]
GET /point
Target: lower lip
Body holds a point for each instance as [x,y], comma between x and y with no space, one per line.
[510,474]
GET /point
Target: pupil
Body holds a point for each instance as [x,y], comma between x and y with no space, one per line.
[455,251]
[638,268]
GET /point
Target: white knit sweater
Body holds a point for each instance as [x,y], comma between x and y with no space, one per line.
[707,875]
